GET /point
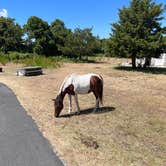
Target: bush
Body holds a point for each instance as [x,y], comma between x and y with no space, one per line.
[30,59]
[38,49]
[16,56]
[3,59]
[46,62]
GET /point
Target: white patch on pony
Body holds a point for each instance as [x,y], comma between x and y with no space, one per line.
[81,83]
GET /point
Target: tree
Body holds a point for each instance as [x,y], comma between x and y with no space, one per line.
[138,33]
[39,34]
[10,35]
[60,33]
[96,45]
[164,44]
[79,43]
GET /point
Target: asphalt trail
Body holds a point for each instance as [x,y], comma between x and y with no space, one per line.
[21,143]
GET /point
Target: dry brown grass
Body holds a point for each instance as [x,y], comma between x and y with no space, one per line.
[129,130]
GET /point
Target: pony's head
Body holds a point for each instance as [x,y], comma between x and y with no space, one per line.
[58,105]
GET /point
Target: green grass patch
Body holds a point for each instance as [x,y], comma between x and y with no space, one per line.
[3,59]
[29,59]
[45,62]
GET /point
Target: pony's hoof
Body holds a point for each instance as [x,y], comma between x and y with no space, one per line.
[78,113]
[95,110]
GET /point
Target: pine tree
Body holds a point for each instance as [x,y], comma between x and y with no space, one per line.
[138,33]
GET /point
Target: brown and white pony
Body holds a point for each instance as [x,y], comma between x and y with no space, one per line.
[79,84]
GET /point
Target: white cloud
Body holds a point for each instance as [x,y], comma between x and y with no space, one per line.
[3,13]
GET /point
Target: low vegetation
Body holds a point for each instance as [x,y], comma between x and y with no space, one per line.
[28,59]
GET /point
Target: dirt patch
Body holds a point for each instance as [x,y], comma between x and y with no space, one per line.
[128,130]
[88,141]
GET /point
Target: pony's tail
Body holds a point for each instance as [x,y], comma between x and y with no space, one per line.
[101,91]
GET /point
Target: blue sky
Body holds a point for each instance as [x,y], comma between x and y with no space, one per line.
[98,14]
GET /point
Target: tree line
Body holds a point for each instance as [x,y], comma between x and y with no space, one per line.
[137,34]
[38,37]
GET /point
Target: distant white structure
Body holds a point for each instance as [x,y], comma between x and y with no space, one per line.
[155,62]
[159,62]
[140,62]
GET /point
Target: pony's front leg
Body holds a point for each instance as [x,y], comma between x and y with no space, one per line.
[70,103]
[77,104]
[97,105]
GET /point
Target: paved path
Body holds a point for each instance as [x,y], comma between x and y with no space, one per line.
[21,143]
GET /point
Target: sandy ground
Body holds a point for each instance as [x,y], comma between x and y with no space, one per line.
[130,129]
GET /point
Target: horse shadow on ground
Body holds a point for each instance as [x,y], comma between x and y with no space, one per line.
[148,70]
[101,110]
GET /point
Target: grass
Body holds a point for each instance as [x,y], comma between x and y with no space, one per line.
[130,129]
[44,62]
[3,60]
[29,59]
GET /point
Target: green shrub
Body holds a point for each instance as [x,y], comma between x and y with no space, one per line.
[16,56]
[46,62]
[3,59]
[30,59]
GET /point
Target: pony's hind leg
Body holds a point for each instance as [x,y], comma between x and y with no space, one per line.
[97,105]
[97,101]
